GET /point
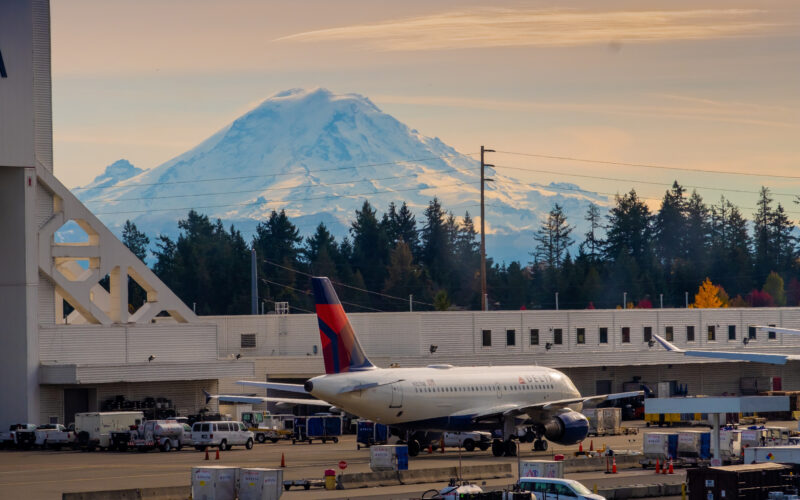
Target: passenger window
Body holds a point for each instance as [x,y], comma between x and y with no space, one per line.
[241,427]
[204,428]
[563,490]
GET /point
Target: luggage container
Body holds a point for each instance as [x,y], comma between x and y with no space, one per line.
[603,421]
[214,483]
[772,454]
[323,427]
[388,457]
[659,446]
[736,481]
[694,446]
[260,484]
[730,445]
[541,468]
[370,433]
[754,437]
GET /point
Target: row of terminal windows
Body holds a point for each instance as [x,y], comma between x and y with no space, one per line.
[602,332]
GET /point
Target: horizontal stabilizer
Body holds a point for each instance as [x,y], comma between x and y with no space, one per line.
[232,398]
[275,386]
[755,357]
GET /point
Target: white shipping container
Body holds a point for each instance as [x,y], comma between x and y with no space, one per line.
[385,457]
[603,421]
[541,468]
[730,444]
[753,437]
[214,483]
[260,484]
[775,454]
[656,445]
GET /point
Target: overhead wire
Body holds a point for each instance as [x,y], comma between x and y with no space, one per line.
[347,286]
[190,181]
[306,292]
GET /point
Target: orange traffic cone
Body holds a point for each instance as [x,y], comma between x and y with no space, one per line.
[441,444]
[671,470]
[580,447]
[658,467]
[591,445]
[217,457]
[430,449]
[283,460]
[614,466]
[206,453]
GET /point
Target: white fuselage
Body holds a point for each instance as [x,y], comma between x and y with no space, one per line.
[439,394]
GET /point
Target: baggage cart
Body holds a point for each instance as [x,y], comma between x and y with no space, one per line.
[320,427]
[370,433]
[659,446]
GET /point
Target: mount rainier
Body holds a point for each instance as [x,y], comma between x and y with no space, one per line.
[319,155]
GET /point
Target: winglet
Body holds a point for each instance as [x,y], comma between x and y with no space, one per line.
[668,346]
[208,396]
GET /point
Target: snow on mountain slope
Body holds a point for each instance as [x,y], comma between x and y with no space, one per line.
[319,155]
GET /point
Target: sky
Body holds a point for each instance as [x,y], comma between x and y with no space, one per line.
[707,88]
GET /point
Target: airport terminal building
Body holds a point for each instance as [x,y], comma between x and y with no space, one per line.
[104,356]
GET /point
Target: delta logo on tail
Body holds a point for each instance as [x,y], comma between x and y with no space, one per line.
[340,348]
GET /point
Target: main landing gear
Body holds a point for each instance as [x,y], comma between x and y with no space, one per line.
[507,448]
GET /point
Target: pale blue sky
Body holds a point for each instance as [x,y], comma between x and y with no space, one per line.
[702,85]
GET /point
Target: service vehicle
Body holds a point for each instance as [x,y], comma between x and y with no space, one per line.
[468,440]
[186,437]
[165,435]
[221,434]
[20,436]
[54,436]
[369,433]
[94,429]
[324,427]
[266,426]
[547,488]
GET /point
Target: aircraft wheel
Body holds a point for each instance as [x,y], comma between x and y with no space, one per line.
[413,448]
[510,448]
[498,449]
[469,445]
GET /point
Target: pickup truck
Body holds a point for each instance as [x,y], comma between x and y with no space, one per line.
[54,436]
[469,440]
[20,436]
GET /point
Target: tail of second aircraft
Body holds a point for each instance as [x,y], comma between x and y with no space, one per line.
[340,347]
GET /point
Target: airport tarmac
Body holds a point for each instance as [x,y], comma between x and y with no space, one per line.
[46,474]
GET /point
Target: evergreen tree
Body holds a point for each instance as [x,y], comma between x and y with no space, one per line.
[135,240]
[669,226]
[436,243]
[404,278]
[401,225]
[630,231]
[277,247]
[370,249]
[592,244]
[762,223]
[553,238]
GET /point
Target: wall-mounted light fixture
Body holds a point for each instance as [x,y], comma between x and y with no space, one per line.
[548,346]
[433,348]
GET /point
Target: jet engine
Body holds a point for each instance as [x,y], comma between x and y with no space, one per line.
[567,428]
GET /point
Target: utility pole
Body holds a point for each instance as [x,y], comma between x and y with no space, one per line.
[253,283]
[484,299]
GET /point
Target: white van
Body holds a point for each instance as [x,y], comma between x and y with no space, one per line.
[221,434]
[545,488]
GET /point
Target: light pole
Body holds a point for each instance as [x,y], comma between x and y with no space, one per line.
[484,300]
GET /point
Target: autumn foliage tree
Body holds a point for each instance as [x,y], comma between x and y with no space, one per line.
[707,296]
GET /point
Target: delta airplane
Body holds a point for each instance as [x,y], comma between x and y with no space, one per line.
[529,403]
[756,357]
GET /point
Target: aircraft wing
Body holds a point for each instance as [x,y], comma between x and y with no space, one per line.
[756,357]
[545,406]
[274,385]
[231,398]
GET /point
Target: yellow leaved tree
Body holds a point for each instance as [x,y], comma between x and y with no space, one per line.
[708,296]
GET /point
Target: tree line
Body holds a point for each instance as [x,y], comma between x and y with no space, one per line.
[630,253]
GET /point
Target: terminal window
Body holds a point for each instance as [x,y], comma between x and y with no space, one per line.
[534,336]
[581,335]
[648,333]
[557,336]
[604,335]
[690,333]
[751,332]
[511,337]
[669,333]
[731,332]
[771,334]
[487,338]
[626,334]
[712,333]
[247,341]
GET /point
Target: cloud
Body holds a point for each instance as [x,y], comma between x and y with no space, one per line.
[485,28]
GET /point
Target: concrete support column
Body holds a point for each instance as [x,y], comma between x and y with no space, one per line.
[715,434]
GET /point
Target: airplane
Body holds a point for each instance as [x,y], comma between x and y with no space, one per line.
[756,357]
[529,403]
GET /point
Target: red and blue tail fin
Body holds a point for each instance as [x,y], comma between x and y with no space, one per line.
[340,347]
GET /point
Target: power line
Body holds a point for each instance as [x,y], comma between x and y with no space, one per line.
[598,177]
[648,165]
[280,201]
[263,190]
[293,307]
[348,286]
[306,292]
[397,162]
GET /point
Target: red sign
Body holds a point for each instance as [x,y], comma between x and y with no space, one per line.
[343,465]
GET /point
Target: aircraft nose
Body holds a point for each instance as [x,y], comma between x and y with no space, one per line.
[308,386]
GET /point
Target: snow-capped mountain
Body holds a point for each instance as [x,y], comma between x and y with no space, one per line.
[319,155]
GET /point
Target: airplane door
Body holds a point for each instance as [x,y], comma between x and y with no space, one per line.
[397,396]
